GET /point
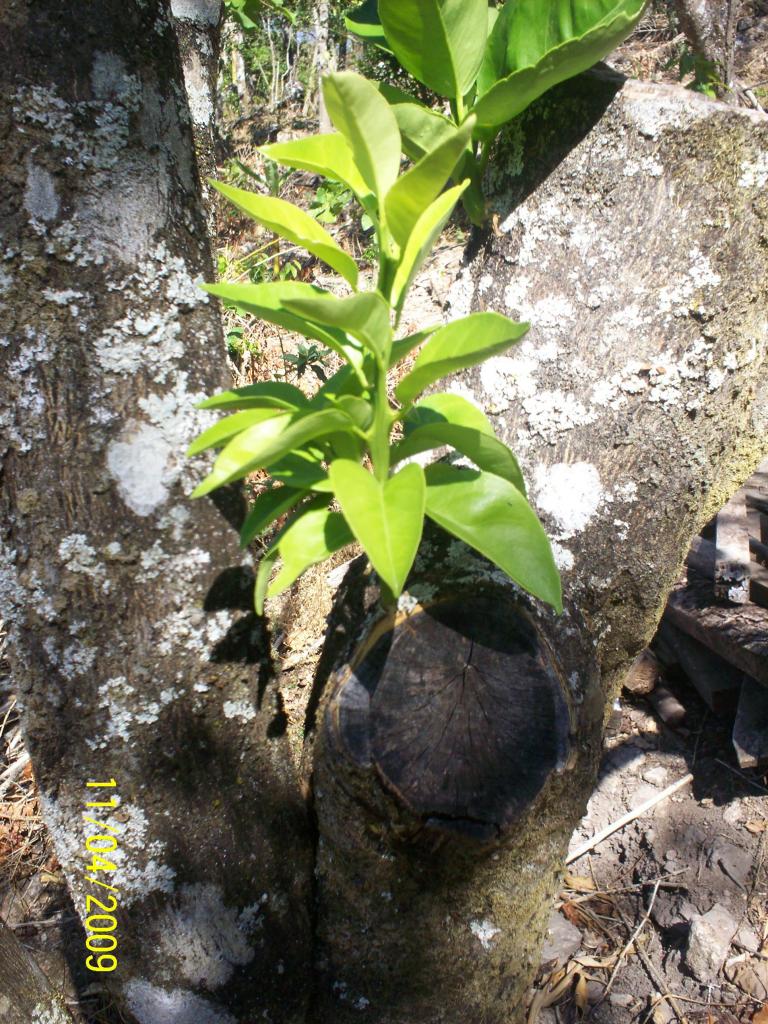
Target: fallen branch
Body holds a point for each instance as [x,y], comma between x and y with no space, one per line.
[625,819]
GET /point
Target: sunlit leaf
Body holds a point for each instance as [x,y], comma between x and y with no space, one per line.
[485,450]
[414,191]
[268,301]
[387,518]
[421,128]
[441,42]
[329,155]
[365,119]
[265,509]
[311,538]
[266,442]
[302,471]
[290,222]
[364,21]
[492,516]
[535,45]
[365,316]
[403,346]
[425,232]
[224,430]
[459,344]
[265,394]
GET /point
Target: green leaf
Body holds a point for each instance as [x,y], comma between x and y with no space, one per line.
[492,516]
[403,346]
[267,301]
[266,442]
[425,232]
[329,155]
[229,427]
[302,471]
[365,316]
[535,45]
[441,42]
[309,539]
[459,344]
[365,119]
[486,451]
[266,508]
[266,565]
[290,222]
[267,394]
[446,407]
[364,22]
[387,518]
[415,190]
[421,128]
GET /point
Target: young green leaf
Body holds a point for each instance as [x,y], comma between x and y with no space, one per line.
[290,222]
[441,42]
[365,119]
[485,450]
[387,518]
[365,316]
[229,427]
[266,508]
[329,155]
[421,128]
[266,442]
[415,190]
[425,232]
[446,407]
[403,346]
[268,301]
[533,46]
[492,516]
[459,344]
[266,394]
[301,470]
[311,538]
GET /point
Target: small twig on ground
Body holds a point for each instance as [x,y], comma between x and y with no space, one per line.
[654,975]
[746,778]
[12,773]
[625,819]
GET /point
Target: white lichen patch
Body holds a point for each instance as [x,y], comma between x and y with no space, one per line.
[151,1004]
[484,931]
[243,709]
[570,494]
[139,858]
[648,166]
[157,562]
[49,1013]
[196,631]
[202,937]
[754,173]
[79,557]
[198,90]
[127,708]
[148,457]
[564,559]
[550,413]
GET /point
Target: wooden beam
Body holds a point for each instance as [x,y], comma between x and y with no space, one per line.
[739,634]
[750,730]
[716,680]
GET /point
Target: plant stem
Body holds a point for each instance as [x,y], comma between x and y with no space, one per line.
[379,433]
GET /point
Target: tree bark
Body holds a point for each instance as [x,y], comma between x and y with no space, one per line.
[449,777]
[322,60]
[25,993]
[198,31]
[710,26]
[132,646]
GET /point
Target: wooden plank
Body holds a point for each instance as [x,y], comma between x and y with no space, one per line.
[750,730]
[732,559]
[716,680]
[739,634]
[701,558]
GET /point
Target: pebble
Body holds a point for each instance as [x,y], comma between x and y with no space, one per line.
[656,776]
[709,940]
[563,939]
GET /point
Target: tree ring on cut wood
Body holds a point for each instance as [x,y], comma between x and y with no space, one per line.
[460,709]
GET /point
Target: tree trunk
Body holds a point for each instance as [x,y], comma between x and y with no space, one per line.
[710,26]
[322,59]
[456,753]
[198,31]
[25,992]
[132,646]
